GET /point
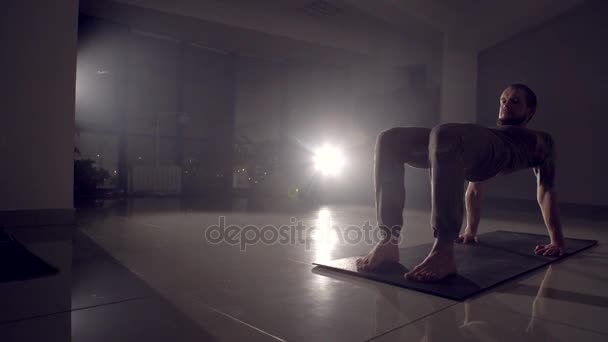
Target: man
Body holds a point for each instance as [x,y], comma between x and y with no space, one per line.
[454,153]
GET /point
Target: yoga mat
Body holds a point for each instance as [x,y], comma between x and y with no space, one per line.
[497,257]
[17,263]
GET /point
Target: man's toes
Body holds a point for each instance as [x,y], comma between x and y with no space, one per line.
[416,268]
[551,253]
[372,264]
[368,267]
[415,275]
[422,277]
[361,266]
[426,276]
[432,276]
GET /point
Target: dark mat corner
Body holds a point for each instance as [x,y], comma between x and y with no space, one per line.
[17,263]
[498,257]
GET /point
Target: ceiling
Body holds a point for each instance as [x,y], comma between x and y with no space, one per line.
[476,24]
[384,32]
[480,24]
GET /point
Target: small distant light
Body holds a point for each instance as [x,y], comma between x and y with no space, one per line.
[297,190]
[139,158]
[256,182]
[265,173]
[98,155]
[102,72]
[243,170]
[115,172]
[249,178]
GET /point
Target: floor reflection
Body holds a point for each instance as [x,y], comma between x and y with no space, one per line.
[138,270]
[324,236]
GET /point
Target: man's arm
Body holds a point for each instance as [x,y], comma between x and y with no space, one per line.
[547,200]
[546,196]
[473,198]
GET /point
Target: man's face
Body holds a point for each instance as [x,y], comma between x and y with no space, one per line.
[513,108]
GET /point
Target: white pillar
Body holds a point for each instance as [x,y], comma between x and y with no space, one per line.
[37,90]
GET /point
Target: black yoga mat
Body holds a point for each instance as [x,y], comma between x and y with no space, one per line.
[17,263]
[497,257]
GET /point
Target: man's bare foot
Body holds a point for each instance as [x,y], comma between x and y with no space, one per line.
[437,265]
[382,253]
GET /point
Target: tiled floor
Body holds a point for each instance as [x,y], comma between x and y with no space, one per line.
[144,270]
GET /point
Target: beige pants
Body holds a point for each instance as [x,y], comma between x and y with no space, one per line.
[453,153]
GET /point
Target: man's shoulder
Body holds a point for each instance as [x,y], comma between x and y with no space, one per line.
[545,145]
[545,138]
[524,131]
[539,132]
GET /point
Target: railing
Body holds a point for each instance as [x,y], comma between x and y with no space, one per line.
[165,180]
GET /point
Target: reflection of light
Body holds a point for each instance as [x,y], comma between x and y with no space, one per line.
[324,236]
[324,214]
[329,160]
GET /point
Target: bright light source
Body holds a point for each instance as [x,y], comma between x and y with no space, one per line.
[329,160]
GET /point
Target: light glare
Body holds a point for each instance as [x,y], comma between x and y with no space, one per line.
[329,160]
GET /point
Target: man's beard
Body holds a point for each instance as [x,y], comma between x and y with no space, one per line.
[510,121]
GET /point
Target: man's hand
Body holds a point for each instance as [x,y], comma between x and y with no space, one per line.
[552,249]
[467,237]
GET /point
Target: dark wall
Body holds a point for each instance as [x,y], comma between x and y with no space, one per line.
[564,62]
[37,62]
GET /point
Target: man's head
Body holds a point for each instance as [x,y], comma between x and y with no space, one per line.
[517,105]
